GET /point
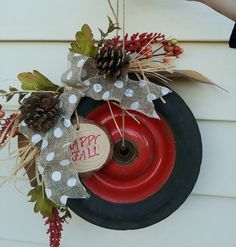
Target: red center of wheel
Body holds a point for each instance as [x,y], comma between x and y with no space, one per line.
[139,169]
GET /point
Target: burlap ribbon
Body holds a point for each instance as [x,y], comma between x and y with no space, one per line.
[131,94]
[55,164]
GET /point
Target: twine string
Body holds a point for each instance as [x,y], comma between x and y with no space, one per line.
[123,111]
[123,25]
[116,16]
[77,121]
[114,119]
[113,11]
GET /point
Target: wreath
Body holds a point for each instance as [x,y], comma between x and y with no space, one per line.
[68,134]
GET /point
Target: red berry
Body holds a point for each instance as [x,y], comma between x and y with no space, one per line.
[132,49]
[149,54]
[2,114]
[177,50]
[142,51]
[165,42]
[166,48]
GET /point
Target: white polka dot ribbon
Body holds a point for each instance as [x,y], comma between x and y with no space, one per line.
[54,164]
[131,94]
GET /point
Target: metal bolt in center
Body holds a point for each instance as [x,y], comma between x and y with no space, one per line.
[125,154]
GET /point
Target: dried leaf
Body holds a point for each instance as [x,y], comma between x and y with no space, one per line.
[194,75]
[42,204]
[190,74]
[36,81]
[85,43]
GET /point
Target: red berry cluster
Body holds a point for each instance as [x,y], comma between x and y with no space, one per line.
[171,47]
[143,44]
[55,228]
[139,43]
[4,124]
[147,51]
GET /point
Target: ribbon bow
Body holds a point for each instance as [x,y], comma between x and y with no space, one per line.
[55,164]
[131,94]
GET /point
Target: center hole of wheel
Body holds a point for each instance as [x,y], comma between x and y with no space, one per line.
[125,152]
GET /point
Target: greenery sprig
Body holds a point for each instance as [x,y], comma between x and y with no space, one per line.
[111,28]
[42,203]
[44,206]
[85,43]
[30,82]
[36,81]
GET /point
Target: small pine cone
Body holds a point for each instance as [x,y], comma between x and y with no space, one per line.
[40,111]
[112,62]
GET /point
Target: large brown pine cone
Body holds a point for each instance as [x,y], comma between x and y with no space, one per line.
[40,111]
[112,62]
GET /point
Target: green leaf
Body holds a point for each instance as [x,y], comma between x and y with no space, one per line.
[13,89]
[9,97]
[36,82]
[75,47]
[112,26]
[66,214]
[10,94]
[101,32]
[85,43]
[2,91]
[42,204]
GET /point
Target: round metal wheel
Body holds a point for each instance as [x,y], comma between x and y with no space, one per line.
[151,175]
[140,167]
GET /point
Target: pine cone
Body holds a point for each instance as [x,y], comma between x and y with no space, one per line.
[112,62]
[40,111]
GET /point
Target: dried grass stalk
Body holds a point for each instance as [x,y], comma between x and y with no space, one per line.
[26,158]
[150,68]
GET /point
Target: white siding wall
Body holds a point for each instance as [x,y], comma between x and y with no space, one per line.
[36,35]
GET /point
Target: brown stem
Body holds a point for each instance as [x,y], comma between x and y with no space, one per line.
[158,49]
